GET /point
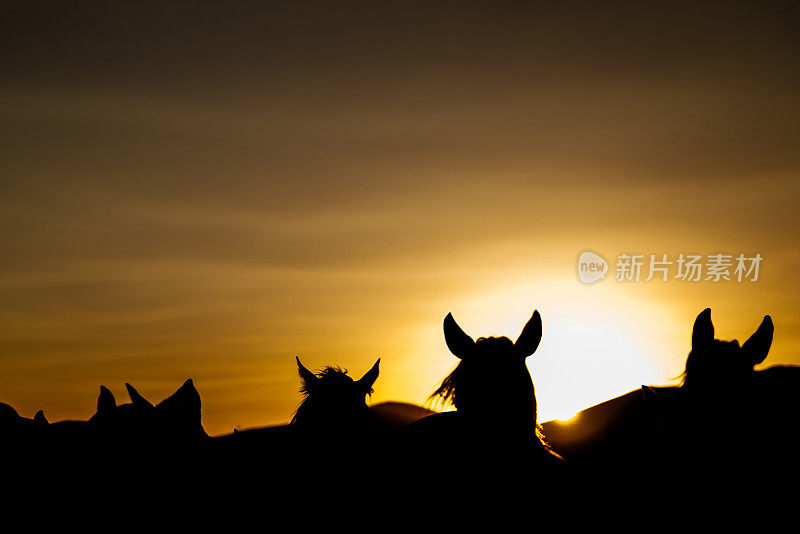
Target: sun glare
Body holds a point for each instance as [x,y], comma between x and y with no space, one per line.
[596,344]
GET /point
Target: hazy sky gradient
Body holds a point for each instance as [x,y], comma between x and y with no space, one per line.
[208,191]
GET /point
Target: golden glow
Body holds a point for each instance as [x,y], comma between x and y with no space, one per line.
[268,182]
[595,344]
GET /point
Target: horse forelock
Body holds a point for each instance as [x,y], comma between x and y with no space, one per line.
[494,341]
[330,375]
[331,379]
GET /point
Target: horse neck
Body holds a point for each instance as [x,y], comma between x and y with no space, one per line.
[304,414]
[517,423]
[308,416]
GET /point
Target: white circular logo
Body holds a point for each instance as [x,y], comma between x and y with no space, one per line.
[591,267]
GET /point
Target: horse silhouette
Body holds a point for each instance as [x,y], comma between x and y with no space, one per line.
[10,419]
[333,407]
[176,418]
[175,421]
[18,431]
[714,366]
[143,440]
[494,422]
[333,402]
[332,425]
[724,412]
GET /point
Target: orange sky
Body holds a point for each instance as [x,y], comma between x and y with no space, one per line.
[207,192]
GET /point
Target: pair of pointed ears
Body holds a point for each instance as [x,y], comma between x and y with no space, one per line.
[756,347]
[365,381]
[107,402]
[460,344]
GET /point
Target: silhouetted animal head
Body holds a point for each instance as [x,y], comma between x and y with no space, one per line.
[19,437]
[10,418]
[721,394]
[175,418]
[333,399]
[492,380]
[713,364]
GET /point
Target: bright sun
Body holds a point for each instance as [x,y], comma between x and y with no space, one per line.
[591,351]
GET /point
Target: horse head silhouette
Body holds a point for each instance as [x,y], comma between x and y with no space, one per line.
[9,418]
[492,384]
[713,364]
[176,417]
[19,430]
[723,398]
[718,378]
[332,400]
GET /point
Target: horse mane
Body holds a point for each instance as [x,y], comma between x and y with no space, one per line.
[327,375]
[681,378]
[445,394]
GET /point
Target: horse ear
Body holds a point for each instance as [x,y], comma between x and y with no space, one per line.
[106,401]
[370,377]
[703,331]
[759,343]
[306,376]
[39,418]
[531,335]
[186,400]
[457,340]
[136,398]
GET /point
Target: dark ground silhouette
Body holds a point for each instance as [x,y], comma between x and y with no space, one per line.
[726,421]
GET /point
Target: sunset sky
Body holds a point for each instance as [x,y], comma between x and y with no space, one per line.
[207,191]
